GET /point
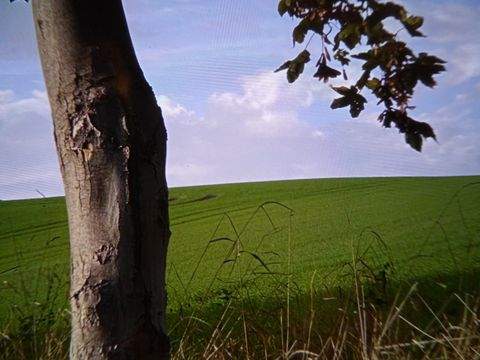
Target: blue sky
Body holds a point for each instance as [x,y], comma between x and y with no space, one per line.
[229,117]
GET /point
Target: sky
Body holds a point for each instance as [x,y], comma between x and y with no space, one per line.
[229,117]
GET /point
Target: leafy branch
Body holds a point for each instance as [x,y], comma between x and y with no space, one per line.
[390,69]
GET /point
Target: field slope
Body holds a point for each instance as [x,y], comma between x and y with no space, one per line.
[403,228]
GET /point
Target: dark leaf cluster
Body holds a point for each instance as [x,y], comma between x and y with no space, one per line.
[350,97]
[325,72]
[415,131]
[390,69]
[295,67]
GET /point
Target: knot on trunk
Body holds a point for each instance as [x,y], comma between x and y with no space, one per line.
[105,254]
[85,136]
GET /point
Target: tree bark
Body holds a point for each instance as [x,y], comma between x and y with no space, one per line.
[111,143]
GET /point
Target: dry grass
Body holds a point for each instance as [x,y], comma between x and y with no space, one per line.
[358,330]
[338,325]
[354,327]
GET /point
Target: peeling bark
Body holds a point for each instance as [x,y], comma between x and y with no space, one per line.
[111,143]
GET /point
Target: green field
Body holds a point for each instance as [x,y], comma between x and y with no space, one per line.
[421,227]
[306,232]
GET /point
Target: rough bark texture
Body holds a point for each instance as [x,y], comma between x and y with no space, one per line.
[111,142]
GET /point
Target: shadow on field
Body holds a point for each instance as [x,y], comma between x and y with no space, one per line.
[417,317]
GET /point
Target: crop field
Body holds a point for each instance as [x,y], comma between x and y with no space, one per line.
[249,241]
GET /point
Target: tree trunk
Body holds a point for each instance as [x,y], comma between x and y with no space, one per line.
[111,143]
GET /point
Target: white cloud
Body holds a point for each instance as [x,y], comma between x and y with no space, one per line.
[258,134]
[250,135]
[267,105]
[11,107]
[27,155]
[465,63]
[318,134]
[5,96]
[171,109]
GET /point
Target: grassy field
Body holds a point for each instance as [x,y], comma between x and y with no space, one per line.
[254,239]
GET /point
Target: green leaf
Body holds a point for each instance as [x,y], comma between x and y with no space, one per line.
[351,98]
[357,105]
[342,56]
[377,34]
[343,90]
[340,103]
[363,79]
[294,71]
[296,66]
[283,7]
[350,35]
[373,84]
[415,131]
[382,11]
[414,140]
[284,66]
[299,33]
[426,66]
[325,72]
[412,24]
[258,258]
[301,30]
[421,128]
[363,55]
[415,22]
